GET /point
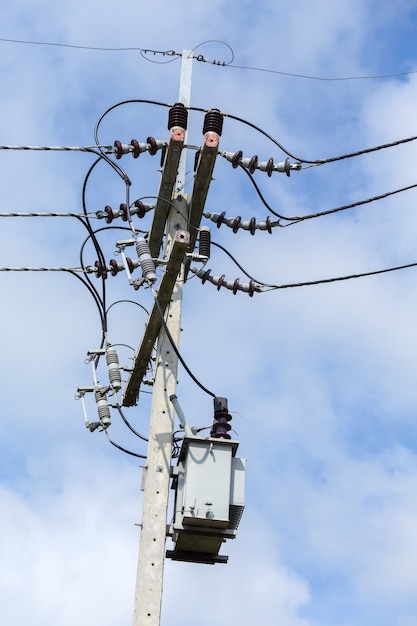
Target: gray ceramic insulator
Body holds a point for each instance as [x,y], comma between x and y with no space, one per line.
[146,262]
[102,408]
[114,369]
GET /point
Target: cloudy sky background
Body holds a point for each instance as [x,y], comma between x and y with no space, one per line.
[320,379]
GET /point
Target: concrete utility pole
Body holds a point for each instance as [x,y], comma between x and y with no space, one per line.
[156,479]
[179,219]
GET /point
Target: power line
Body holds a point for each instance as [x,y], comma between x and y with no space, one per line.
[314,162]
[61,148]
[72,270]
[104,150]
[94,48]
[341,278]
[116,445]
[295,219]
[49,214]
[174,347]
[201,58]
[318,78]
[261,287]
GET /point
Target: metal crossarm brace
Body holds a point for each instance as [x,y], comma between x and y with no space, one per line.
[143,354]
[165,192]
[202,181]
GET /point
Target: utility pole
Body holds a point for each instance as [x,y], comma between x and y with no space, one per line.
[156,478]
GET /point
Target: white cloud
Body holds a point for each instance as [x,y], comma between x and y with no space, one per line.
[322,377]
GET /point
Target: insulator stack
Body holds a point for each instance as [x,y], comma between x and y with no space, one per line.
[152,146]
[204,242]
[178,116]
[220,281]
[221,426]
[235,223]
[213,122]
[146,262]
[102,407]
[138,208]
[114,267]
[114,368]
[252,163]
[110,214]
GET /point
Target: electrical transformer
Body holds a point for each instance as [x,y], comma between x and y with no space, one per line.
[209,483]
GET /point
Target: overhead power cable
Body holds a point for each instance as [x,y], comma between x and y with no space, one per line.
[129,425]
[203,59]
[229,254]
[300,218]
[328,79]
[312,163]
[60,148]
[341,278]
[317,162]
[71,270]
[174,347]
[259,286]
[82,215]
[116,445]
[75,272]
[104,150]
[78,47]
[253,287]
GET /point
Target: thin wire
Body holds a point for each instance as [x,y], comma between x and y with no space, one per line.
[258,191]
[362,152]
[66,45]
[340,278]
[102,148]
[201,58]
[97,247]
[204,60]
[217,245]
[320,78]
[300,218]
[316,162]
[116,445]
[174,347]
[129,302]
[271,287]
[171,53]
[128,424]
[345,207]
[98,149]
[72,271]
[82,215]
[92,149]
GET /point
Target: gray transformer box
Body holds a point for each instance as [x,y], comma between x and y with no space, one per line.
[209,483]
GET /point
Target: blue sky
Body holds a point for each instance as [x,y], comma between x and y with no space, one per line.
[320,379]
